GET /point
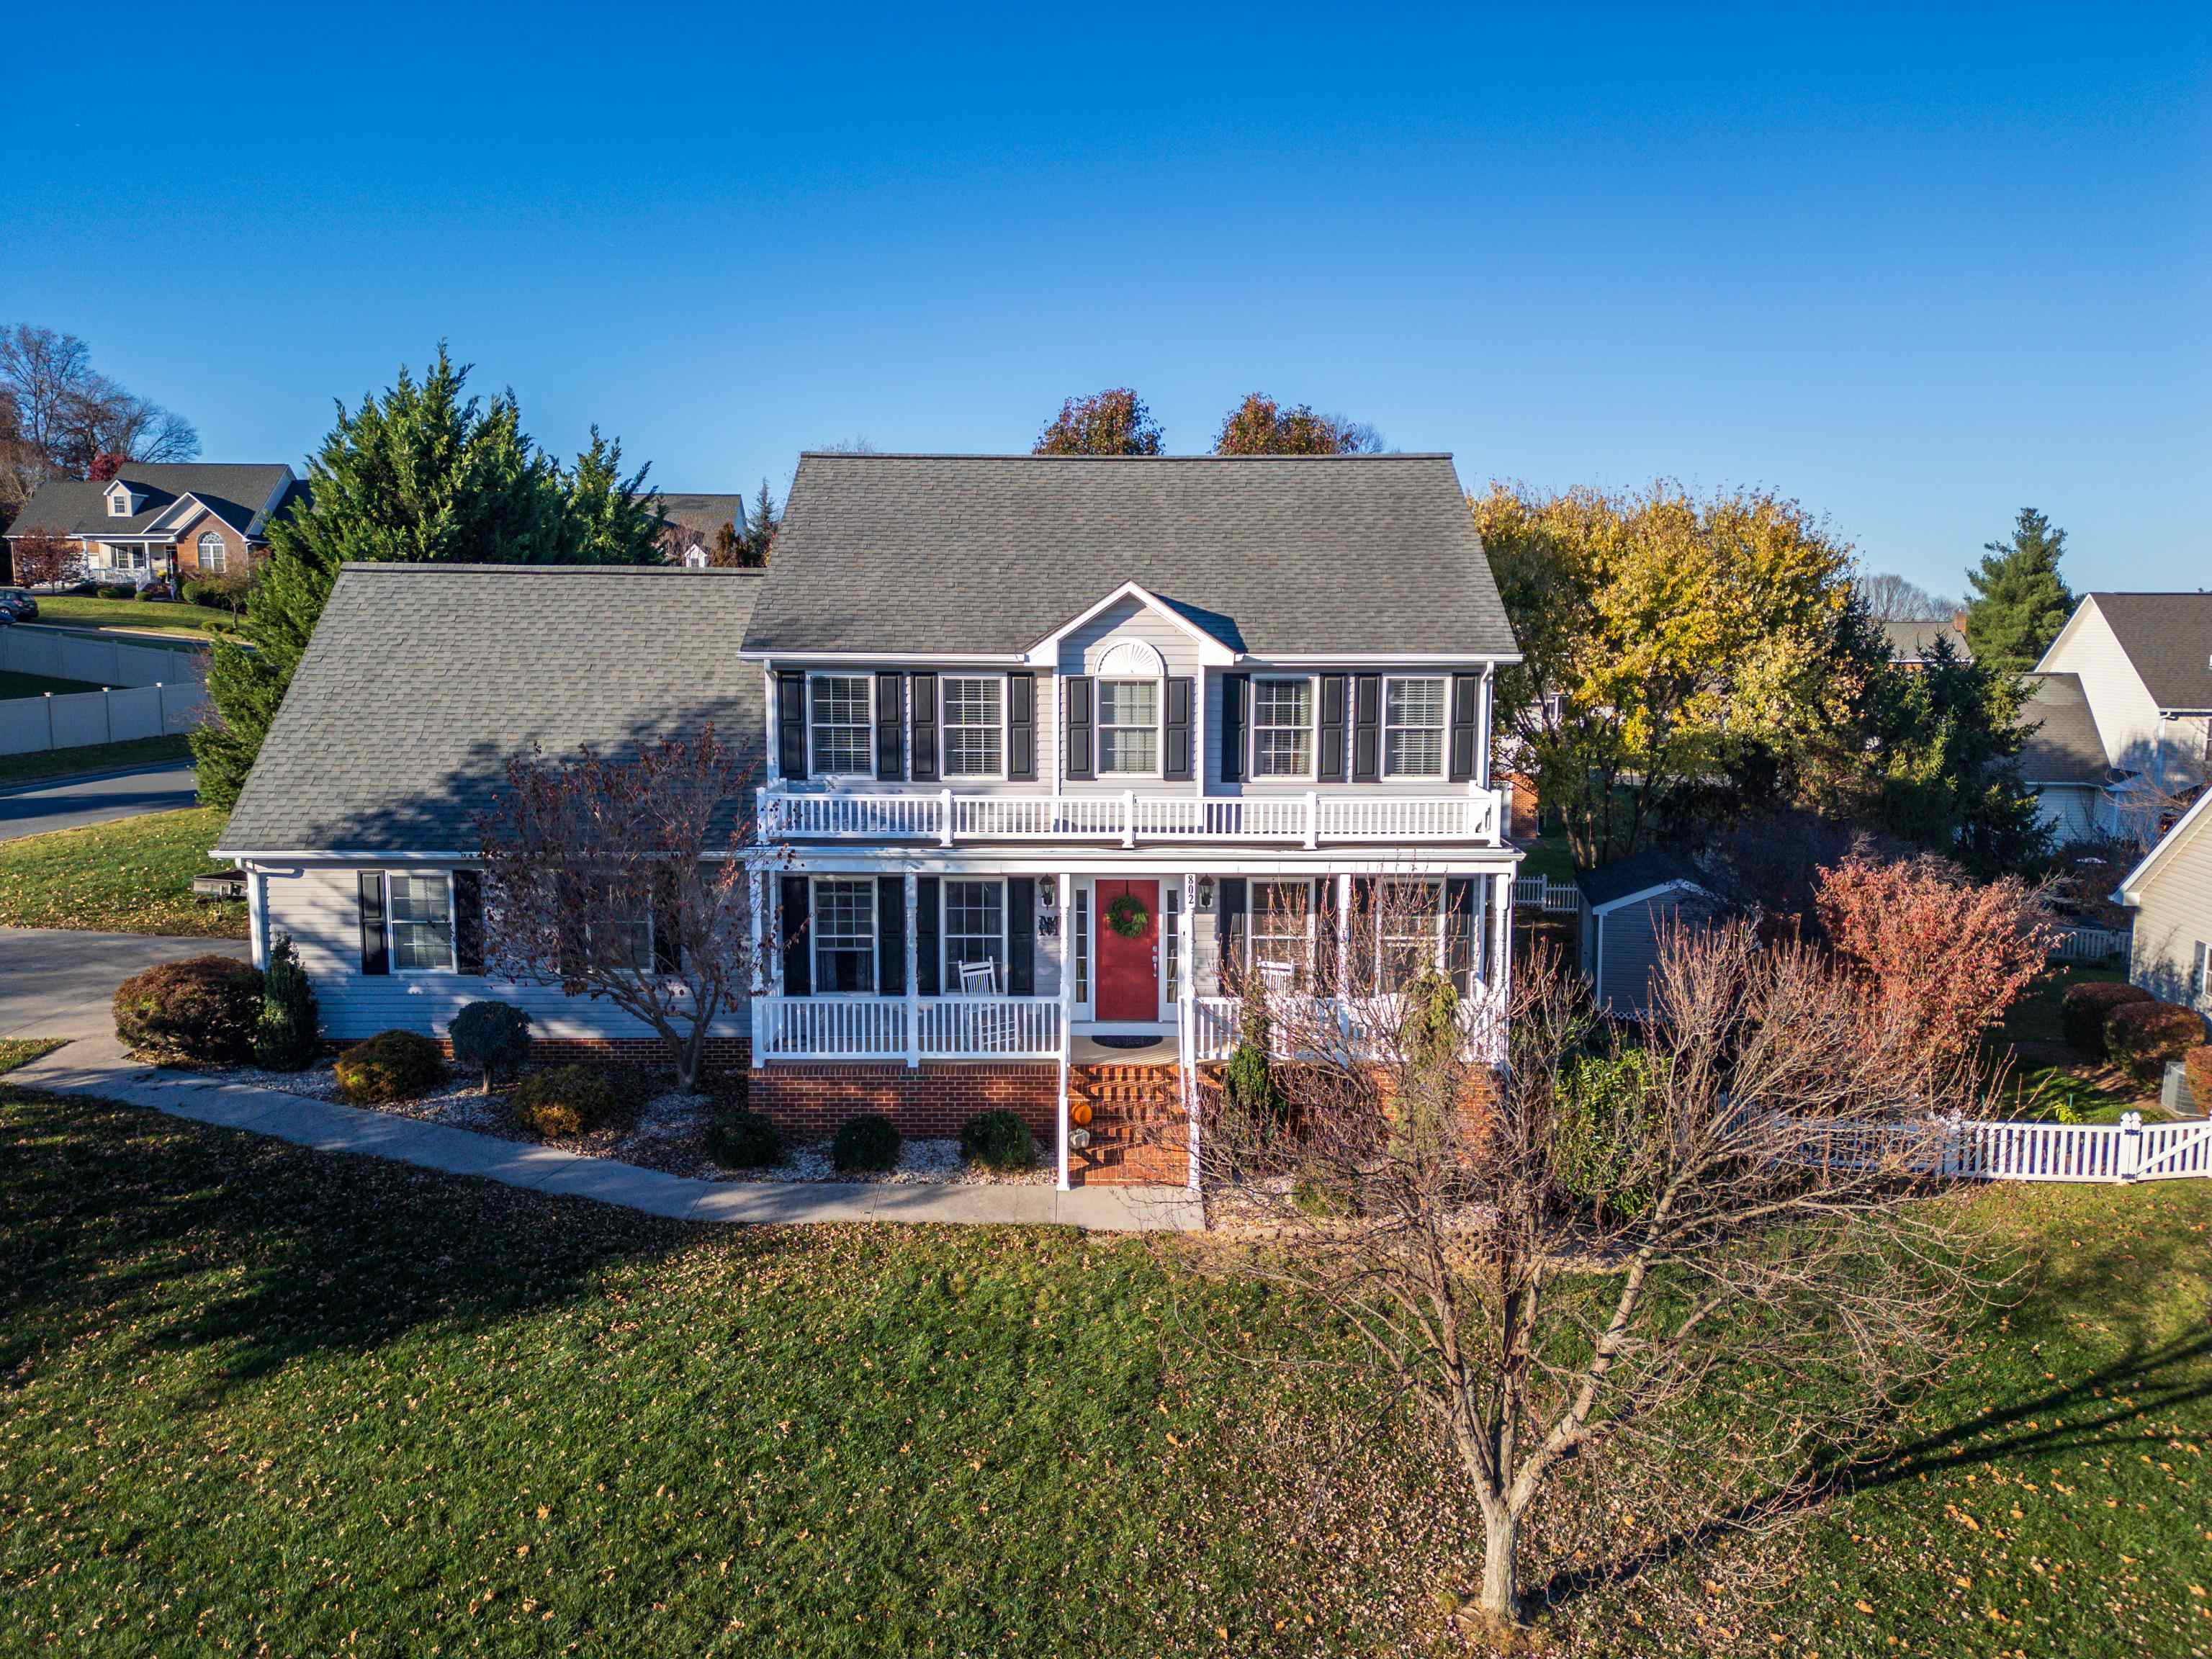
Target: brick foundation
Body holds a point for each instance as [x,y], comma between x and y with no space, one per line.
[927,1103]
[723,1055]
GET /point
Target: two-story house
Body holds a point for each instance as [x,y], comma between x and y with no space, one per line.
[2142,665]
[154,520]
[1055,752]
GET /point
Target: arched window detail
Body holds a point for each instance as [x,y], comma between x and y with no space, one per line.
[1130,659]
[213,554]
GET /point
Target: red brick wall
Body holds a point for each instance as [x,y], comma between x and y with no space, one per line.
[928,1102]
[188,545]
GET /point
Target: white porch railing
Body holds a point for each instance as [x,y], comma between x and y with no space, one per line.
[876,1028]
[1542,893]
[1367,1026]
[950,819]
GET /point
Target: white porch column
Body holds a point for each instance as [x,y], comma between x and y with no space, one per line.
[256,914]
[1187,1010]
[913,885]
[758,922]
[1198,734]
[1067,1012]
[1344,933]
[1501,959]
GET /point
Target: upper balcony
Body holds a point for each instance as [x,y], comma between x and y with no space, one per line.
[950,817]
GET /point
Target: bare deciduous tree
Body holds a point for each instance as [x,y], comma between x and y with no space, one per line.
[1891,598]
[66,414]
[1610,1246]
[627,879]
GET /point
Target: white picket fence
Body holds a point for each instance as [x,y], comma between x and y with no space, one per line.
[1542,893]
[2091,944]
[2128,1151]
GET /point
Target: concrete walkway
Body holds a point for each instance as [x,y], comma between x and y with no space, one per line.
[96,1065]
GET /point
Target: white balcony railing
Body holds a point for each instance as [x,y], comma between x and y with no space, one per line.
[876,1027]
[949,818]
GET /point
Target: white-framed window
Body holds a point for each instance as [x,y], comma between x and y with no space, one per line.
[844,929]
[841,723]
[1409,932]
[1129,728]
[1281,929]
[418,920]
[213,554]
[1282,728]
[618,932]
[119,503]
[974,928]
[1414,727]
[974,721]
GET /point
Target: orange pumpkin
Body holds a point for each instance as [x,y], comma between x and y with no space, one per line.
[1080,1114]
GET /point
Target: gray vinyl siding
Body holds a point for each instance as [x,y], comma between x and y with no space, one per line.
[1081,653]
[321,909]
[1627,945]
[2176,912]
[2069,811]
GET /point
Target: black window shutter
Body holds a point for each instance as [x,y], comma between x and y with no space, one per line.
[890,936]
[667,940]
[1021,728]
[922,727]
[1235,689]
[374,959]
[925,965]
[1080,763]
[1466,704]
[1366,727]
[1021,936]
[797,981]
[890,726]
[1230,903]
[1174,747]
[791,724]
[468,921]
[1331,769]
[1459,932]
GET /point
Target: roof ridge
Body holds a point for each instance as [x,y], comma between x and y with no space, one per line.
[1014,455]
[427,566]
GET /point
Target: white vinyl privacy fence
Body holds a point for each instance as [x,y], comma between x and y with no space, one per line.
[149,690]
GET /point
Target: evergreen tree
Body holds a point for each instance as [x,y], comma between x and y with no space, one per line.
[763,518]
[2020,600]
[421,475]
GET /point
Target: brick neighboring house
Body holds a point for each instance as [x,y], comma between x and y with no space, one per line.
[693,521]
[162,519]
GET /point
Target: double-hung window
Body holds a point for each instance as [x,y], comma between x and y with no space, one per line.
[1129,727]
[1409,932]
[1413,728]
[619,926]
[1282,728]
[2200,975]
[975,726]
[845,935]
[975,929]
[419,918]
[212,553]
[1282,926]
[841,706]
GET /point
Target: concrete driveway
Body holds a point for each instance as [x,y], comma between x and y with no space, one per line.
[57,983]
[68,803]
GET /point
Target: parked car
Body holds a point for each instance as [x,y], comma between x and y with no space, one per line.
[19,604]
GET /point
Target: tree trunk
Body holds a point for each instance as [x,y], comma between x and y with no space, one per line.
[1501,1592]
[689,1053]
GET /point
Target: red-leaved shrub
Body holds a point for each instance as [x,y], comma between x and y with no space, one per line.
[2196,1067]
[203,1008]
[2143,1036]
[2084,1009]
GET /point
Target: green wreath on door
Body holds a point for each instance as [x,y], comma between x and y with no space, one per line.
[1128,916]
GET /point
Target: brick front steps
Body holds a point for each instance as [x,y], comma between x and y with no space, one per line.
[1139,1132]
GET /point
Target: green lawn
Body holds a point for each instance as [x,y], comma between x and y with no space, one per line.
[49,763]
[20,1051]
[263,1399]
[167,615]
[1548,855]
[133,876]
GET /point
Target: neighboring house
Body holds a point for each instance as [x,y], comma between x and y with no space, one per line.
[2079,795]
[2170,893]
[1912,640]
[693,521]
[2144,662]
[165,518]
[1056,750]
[1627,906]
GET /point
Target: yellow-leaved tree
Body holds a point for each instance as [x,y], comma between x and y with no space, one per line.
[1674,646]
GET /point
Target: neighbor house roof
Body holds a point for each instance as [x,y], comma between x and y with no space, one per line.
[424,680]
[1910,641]
[2168,639]
[1277,555]
[2064,749]
[704,514]
[1646,872]
[234,492]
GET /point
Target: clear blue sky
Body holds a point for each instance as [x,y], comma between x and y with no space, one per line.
[1917,271]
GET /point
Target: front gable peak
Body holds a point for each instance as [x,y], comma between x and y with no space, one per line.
[1211,648]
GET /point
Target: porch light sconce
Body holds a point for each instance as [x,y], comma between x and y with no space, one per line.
[1205,895]
[1048,892]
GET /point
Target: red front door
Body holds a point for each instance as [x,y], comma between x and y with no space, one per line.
[1129,968]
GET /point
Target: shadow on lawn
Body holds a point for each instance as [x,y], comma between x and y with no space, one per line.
[197,1236]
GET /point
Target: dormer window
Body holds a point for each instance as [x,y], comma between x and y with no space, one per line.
[119,501]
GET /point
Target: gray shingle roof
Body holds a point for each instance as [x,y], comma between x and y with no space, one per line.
[422,680]
[232,491]
[1655,866]
[1276,555]
[2168,638]
[1908,641]
[2064,748]
[704,513]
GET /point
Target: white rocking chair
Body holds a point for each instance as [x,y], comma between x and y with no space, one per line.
[995,1025]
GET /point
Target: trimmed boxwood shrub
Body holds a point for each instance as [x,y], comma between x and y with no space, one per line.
[284,1036]
[490,1037]
[568,1100]
[997,1141]
[2143,1036]
[738,1139]
[119,591]
[2084,1009]
[390,1066]
[866,1143]
[203,1008]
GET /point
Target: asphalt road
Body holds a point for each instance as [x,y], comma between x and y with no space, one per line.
[67,802]
[57,983]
